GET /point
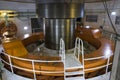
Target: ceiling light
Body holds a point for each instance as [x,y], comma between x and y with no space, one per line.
[113,13]
[87,26]
[4,14]
[9,13]
[26,35]
[25,28]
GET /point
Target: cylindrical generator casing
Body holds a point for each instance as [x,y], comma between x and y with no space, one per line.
[60,10]
[59,21]
[59,28]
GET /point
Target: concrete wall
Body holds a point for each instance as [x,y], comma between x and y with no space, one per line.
[90,9]
[16,6]
[98,9]
[21,22]
[118,70]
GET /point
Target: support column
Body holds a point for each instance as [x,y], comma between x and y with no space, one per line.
[115,73]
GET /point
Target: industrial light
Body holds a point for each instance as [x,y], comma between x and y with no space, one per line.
[4,14]
[25,28]
[26,35]
[87,26]
[113,13]
[9,13]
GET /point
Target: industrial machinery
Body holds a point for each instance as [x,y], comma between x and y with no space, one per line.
[59,19]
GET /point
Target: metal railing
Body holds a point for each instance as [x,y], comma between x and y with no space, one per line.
[109,35]
[62,56]
[102,66]
[79,50]
[10,63]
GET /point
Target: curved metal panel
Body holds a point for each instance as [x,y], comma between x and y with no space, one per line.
[58,1]
[60,10]
[59,20]
[59,28]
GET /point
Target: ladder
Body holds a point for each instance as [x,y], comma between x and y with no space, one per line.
[73,68]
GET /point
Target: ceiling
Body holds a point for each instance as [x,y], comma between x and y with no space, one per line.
[33,1]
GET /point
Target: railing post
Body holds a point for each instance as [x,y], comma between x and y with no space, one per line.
[10,64]
[79,46]
[111,36]
[62,54]
[102,34]
[33,66]
[82,51]
[108,59]
[75,46]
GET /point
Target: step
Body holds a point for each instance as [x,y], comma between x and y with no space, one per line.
[75,78]
[74,73]
[71,62]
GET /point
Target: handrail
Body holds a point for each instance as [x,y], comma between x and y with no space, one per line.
[33,68]
[10,63]
[115,34]
[111,34]
[44,60]
[79,47]
[97,67]
[62,50]
[32,59]
[86,59]
[26,69]
[77,43]
[62,53]
[33,62]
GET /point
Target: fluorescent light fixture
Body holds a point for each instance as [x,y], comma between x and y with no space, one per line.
[25,28]
[113,13]
[108,52]
[26,35]
[87,26]
[95,31]
[4,13]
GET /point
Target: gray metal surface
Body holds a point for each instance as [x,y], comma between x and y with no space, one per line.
[43,1]
[59,28]
[59,18]
[60,10]
[59,1]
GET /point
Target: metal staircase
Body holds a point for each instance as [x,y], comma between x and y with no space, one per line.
[73,68]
